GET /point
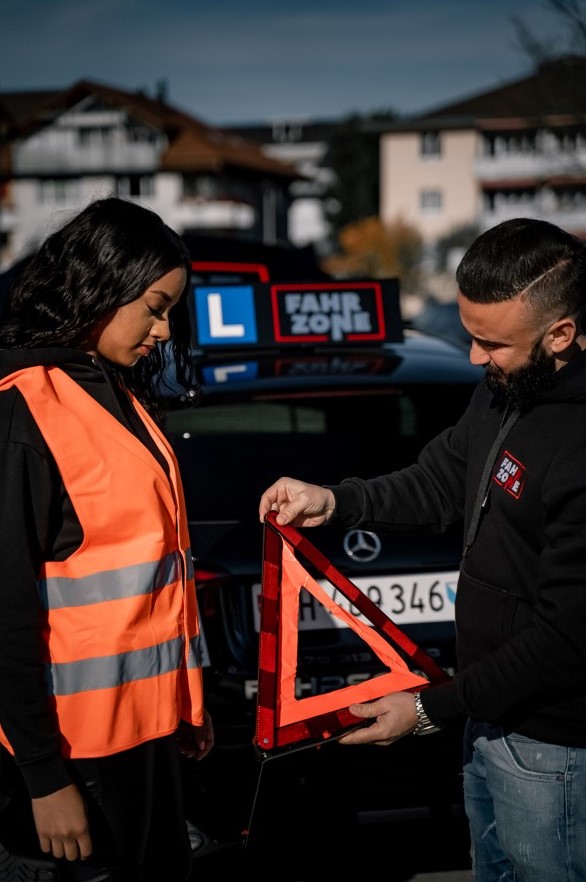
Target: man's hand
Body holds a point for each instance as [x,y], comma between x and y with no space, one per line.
[394,716]
[62,825]
[297,503]
[195,742]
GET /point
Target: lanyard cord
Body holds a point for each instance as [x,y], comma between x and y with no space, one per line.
[484,486]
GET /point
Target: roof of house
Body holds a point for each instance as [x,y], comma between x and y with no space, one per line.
[193,145]
[556,91]
[18,106]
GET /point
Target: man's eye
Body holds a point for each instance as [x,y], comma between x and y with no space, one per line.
[484,344]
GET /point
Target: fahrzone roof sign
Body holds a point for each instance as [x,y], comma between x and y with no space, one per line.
[290,314]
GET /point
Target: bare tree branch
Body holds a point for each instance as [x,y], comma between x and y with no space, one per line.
[572,14]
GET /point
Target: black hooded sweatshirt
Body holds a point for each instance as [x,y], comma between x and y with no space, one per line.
[38,523]
[521,600]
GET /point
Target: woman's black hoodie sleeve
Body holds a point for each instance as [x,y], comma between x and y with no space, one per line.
[31,515]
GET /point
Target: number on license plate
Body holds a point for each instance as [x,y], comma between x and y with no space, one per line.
[406,599]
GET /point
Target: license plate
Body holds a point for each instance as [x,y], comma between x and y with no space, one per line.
[412,599]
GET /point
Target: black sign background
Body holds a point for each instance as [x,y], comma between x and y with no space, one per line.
[376,302]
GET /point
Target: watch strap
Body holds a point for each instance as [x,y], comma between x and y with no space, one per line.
[424,725]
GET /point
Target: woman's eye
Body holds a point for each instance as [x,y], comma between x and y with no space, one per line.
[158,313]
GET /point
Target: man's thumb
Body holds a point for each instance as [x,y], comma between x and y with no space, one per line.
[285,515]
[364,711]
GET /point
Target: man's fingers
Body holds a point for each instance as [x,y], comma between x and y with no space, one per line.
[365,711]
[360,736]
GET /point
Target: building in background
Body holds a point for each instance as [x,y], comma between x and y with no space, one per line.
[61,150]
[518,150]
[301,142]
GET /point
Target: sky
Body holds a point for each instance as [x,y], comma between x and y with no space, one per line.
[256,61]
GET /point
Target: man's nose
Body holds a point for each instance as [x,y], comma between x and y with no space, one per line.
[478,355]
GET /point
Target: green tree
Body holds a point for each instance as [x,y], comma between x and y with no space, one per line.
[353,156]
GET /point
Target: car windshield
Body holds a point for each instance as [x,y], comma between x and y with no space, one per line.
[230,451]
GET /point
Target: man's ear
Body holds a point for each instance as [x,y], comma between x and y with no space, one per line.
[561,335]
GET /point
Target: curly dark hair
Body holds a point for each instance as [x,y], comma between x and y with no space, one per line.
[105,257]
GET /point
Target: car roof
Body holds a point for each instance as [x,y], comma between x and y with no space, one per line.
[418,358]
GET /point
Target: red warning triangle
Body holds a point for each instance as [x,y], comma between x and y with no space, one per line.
[283,720]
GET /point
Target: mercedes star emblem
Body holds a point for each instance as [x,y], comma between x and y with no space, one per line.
[362,546]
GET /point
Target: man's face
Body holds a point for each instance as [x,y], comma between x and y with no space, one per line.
[507,339]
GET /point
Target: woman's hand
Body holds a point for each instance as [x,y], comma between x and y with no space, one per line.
[62,825]
[196,742]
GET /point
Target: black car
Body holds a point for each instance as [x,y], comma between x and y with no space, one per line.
[317,380]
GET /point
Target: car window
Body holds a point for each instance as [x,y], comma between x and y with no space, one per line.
[229,452]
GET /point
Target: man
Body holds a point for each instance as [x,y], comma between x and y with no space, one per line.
[514,468]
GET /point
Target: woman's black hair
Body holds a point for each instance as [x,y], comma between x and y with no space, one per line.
[530,256]
[105,257]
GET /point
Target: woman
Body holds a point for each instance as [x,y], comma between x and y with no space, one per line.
[100,676]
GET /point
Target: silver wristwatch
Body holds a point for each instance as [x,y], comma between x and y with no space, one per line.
[424,725]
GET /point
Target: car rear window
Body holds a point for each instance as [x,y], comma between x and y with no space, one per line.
[230,451]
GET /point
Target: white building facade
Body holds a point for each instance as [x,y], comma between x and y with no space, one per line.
[92,142]
[516,151]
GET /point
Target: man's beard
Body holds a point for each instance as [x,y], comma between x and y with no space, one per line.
[522,386]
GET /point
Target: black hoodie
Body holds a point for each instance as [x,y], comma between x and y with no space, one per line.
[38,523]
[521,602]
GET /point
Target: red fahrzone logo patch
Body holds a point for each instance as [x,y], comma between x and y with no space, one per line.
[510,475]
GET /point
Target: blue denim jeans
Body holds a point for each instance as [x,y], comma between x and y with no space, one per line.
[526,806]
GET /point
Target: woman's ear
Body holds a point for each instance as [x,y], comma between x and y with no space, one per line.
[561,335]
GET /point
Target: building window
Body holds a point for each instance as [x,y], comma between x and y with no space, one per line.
[95,136]
[430,145]
[135,185]
[430,201]
[57,191]
[200,187]
[136,134]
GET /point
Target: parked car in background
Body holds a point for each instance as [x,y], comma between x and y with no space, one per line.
[229,260]
[442,319]
[319,380]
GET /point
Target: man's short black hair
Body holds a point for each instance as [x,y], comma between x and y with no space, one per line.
[531,257]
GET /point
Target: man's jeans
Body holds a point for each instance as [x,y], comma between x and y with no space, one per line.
[526,805]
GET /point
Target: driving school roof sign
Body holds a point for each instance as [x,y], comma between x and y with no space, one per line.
[289,314]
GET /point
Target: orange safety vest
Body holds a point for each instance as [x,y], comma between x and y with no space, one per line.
[120,623]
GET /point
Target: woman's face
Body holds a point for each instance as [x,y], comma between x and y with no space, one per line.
[133,330]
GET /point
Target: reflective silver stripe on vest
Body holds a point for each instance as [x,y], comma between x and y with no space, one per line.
[112,670]
[195,653]
[68,678]
[60,592]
